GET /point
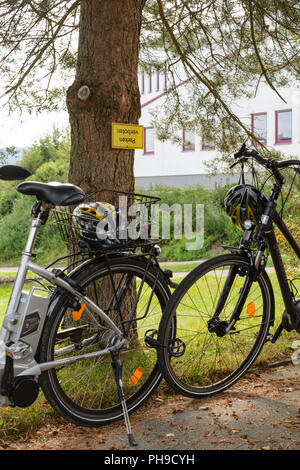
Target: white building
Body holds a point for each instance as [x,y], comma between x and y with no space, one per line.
[277,124]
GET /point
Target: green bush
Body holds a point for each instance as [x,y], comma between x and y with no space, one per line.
[14,231]
[218,228]
[48,160]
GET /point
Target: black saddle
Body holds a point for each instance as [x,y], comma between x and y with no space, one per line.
[13,172]
[59,194]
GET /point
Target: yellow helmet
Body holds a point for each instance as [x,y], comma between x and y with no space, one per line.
[244,202]
[95,209]
[87,216]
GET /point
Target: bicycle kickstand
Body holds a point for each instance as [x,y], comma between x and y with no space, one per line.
[117,367]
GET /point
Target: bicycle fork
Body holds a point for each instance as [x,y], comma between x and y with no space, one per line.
[221,328]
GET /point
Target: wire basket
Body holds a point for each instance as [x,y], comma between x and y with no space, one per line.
[125,222]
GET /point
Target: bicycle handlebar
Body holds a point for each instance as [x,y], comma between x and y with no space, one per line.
[270,163]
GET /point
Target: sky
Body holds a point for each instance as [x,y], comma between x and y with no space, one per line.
[25,130]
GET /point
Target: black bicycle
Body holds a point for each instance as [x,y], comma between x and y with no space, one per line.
[225,307]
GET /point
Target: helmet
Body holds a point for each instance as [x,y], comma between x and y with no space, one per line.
[244,202]
[87,216]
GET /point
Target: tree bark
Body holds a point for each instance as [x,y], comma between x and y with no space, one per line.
[105,90]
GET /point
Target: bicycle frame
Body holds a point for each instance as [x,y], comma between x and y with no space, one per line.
[214,324]
[279,267]
[33,308]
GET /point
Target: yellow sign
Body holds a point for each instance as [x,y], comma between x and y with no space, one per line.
[127,136]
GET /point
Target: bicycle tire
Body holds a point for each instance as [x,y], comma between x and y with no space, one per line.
[83,408]
[210,363]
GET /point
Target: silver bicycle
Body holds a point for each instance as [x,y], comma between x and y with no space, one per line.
[86,338]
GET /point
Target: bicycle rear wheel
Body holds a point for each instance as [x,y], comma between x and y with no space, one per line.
[204,359]
[85,393]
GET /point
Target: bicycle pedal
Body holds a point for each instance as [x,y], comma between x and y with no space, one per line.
[176,347]
[149,339]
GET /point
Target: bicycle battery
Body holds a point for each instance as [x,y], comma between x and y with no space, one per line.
[26,324]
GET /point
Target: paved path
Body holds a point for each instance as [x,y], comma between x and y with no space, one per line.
[260,412]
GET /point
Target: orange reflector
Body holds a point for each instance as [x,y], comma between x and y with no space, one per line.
[77,314]
[136,376]
[251,309]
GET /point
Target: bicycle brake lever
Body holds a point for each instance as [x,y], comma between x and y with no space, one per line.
[240,160]
[241,151]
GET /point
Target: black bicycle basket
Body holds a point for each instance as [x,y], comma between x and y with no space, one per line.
[124,225]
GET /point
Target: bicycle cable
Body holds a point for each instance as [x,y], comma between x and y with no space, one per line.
[288,194]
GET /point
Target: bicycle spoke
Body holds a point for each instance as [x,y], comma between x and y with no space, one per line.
[212,356]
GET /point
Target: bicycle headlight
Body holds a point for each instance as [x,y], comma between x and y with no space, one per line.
[248,225]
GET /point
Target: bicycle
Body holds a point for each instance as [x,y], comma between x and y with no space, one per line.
[225,307]
[90,352]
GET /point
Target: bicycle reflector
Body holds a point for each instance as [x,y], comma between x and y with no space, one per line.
[136,376]
[251,309]
[76,315]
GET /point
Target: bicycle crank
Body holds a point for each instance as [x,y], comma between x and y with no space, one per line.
[287,324]
[149,338]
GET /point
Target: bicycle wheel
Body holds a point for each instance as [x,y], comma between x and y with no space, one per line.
[85,393]
[204,359]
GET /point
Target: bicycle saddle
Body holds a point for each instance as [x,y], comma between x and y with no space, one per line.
[13,172]
[59,194]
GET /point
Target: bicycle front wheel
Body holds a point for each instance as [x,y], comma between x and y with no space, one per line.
[85,393]
[205,358]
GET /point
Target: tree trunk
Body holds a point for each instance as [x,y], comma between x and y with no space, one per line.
[105,90]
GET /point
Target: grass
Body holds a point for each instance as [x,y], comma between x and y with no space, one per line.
[207,355]
[182,267]
[15,422]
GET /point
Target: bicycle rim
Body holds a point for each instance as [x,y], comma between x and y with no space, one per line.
[85,392]
[210,363]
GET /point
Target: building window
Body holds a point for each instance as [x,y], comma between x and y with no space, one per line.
[142,78]
[166,77]
[283,126]
[259,127]
[206,133]
[150,80]
[148,140]
[188,140]
[206,144]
